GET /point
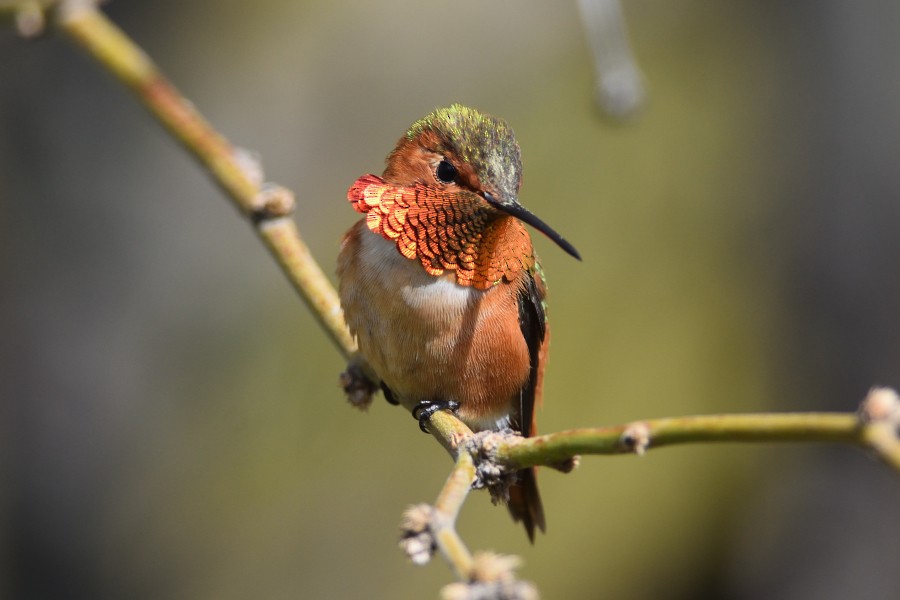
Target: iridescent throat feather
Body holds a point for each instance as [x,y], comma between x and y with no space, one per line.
[458,232]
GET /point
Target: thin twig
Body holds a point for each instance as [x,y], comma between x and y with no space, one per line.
[620,91]
[266,206]
[446,509]
[872,429]
[640,436]
[426,528]
[449,432]
[879,435]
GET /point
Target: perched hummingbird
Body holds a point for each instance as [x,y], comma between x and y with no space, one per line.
[441,286]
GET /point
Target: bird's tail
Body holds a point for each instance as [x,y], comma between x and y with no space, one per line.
[525,502]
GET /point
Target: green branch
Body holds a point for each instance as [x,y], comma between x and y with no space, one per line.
[265,205]
[655,433]
[875,427]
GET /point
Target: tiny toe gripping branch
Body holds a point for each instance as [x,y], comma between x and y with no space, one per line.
[425,409]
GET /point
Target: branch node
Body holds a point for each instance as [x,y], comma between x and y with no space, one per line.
[880,405]
[568,465]
[67,9]
[416,539]
[489,472]
[492,578]
[489,567]
[272,202]
[30,19]
[879,422]
[457,438]
[635,438]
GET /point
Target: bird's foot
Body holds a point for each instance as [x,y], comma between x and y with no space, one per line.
[357,384]
[389,395]
[424,409]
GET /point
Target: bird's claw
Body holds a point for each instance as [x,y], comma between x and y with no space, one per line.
[424,409]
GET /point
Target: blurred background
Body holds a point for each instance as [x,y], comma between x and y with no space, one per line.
[170,420]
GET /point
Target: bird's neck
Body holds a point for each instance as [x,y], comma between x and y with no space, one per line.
[446,231]
[503,253]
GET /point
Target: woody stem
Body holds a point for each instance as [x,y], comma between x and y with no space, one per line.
[239,175]
[880,435]
[449,431]
[446,509]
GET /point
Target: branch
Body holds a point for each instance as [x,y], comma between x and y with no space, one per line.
[619,90]
[640,436]
[875,427]
[240,176]
[428,528]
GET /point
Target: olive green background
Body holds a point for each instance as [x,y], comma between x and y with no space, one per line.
[170,421]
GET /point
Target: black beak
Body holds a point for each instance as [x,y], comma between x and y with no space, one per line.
[518,211]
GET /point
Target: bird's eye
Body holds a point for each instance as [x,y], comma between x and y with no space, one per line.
[445,172]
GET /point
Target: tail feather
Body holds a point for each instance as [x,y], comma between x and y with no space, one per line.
[525,503]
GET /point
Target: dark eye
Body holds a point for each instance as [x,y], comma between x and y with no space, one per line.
[445,172]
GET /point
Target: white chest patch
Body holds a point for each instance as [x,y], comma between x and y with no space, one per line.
[423,293]
[408,322]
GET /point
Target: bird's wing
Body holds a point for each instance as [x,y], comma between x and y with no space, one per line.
[535,330]
[524,500]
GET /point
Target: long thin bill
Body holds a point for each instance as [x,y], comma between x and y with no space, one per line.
[523,214]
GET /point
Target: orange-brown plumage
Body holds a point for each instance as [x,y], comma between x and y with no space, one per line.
[434,343]
[440,284]
[445,230]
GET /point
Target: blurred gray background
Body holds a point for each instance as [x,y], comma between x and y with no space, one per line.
[170,421]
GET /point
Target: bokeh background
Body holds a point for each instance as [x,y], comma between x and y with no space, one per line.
[170,421]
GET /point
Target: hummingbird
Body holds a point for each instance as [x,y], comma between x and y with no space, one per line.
[441,286]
